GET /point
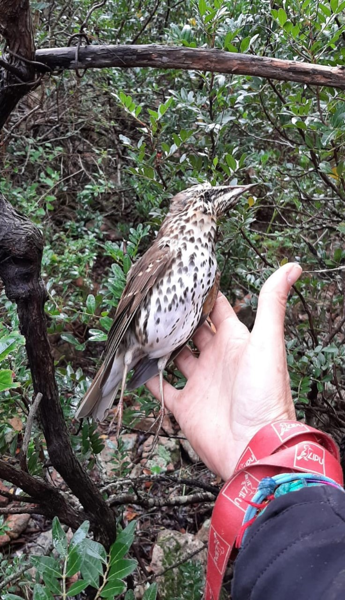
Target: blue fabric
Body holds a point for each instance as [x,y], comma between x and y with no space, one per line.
[295,550]
[280,485]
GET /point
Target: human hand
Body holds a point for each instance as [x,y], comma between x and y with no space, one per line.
[239,382]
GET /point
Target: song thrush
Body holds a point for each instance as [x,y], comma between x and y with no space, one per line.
[169,293]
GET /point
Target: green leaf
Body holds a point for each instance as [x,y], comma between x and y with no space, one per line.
[6,380]
[80,534]
[46,564]
[91,304]
[338,254]
[151,592]
[202,7]
[118,550]
[95,550]
[94,555]
[127,535]
[113,588]
[162,109]
[8,343]
[74,561]
[51,583]
[341,227]
[122,568]
[106,322]
[282,18]
[68,337]
[325,9]
[12,597]
[149,172]
[41,593]
[96,335]
[130,595]
[231,162]
[245,43]
[127,263]
[77,587]
[59,537]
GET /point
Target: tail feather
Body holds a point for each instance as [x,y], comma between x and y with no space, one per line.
[98,400]
[144,370]
[104,404]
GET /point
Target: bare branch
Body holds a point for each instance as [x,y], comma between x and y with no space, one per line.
[202,59]
[27,435]
[155,501]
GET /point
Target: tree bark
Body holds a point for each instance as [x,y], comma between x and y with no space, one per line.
[49,498]
[16,75]
[21,245]
[203,59]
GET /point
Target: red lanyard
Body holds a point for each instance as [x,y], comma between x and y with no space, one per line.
[280,447]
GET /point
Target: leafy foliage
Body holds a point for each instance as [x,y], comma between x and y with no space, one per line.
[89,559]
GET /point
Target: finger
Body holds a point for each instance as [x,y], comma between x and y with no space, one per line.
[269,322]
[168,390]
[203,336]
[186,361]
[222,310]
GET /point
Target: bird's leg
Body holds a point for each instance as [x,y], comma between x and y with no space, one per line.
[159,421]
[119,410]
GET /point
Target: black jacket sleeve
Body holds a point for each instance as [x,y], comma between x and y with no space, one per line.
[295,550]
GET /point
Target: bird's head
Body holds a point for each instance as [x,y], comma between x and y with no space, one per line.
[212,200]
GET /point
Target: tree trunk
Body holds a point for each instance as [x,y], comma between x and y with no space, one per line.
[21,245]
[17,76]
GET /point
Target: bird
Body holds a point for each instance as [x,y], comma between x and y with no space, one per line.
[170,291]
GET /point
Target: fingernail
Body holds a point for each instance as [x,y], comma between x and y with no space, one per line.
[294,273]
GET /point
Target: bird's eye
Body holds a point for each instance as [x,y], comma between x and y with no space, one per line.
[207,196]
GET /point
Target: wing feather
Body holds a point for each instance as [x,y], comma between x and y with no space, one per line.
[141,278]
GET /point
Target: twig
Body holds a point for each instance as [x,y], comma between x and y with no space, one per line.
[16,497]
[92,9]
[27,434]
[153,502]
[20,570]
[334,332]
[162,479]
[34,63]
[13,577]
[20,510]
[176,564]
[58,183]
[24,117]
[145,24]
[11,68]
[305,305]
[325,270]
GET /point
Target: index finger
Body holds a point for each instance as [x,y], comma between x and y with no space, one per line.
[222,310]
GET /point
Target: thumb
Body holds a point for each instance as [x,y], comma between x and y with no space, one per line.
[270,316]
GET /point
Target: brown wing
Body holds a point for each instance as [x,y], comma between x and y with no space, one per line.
[141,278]
[209,301]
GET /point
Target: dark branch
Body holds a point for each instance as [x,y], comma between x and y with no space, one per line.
[16,75]
[21,245]
[49,499]
[203,59]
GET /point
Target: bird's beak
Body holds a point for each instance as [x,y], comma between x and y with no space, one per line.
[226,196]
